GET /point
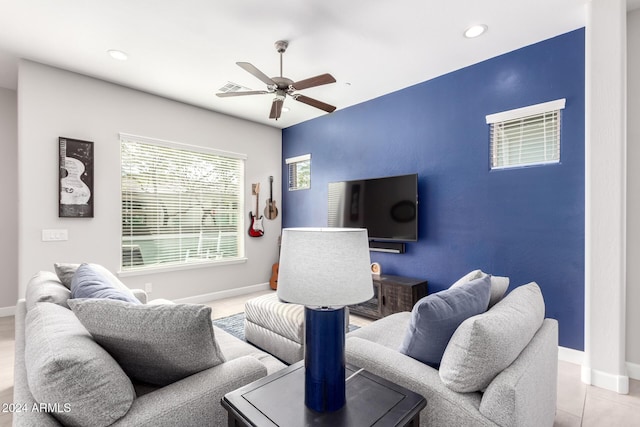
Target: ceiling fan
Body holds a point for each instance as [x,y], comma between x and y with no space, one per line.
[283,86]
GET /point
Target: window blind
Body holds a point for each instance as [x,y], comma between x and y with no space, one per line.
[299,170]
[527,136]
[180,204]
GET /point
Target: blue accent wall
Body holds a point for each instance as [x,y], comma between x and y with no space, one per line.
[525,223]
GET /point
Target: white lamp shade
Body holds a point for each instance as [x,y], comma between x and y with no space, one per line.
[325,267]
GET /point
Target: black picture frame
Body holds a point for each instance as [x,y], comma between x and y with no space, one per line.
[75,183]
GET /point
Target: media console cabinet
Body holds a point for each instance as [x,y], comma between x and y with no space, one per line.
[391,294]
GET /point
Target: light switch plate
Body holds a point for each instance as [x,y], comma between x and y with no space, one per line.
[55,235]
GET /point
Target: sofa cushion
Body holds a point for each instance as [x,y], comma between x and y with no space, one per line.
[435,317]
[155,344]
[92,281]
[65,366]
[484,345]
[499,285]
[45,287]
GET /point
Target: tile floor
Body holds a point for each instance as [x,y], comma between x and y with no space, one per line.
[578,403]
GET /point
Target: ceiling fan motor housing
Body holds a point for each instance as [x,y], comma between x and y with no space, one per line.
[281,46]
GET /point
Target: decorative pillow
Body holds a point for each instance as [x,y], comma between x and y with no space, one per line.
[155,344]
[435,317]
[65,366]
[484,345]
[45,287]
[90,281]
[65,272]
[499,285]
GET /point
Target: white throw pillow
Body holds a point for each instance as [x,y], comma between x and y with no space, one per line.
[499,285]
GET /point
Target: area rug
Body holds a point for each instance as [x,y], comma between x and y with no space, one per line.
[234,325]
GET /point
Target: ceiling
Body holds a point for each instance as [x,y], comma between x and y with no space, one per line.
[187,50]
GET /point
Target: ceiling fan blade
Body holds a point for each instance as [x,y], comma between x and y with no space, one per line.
[250,68]
[315,103]
[276,108]
[320,80]
[251,92]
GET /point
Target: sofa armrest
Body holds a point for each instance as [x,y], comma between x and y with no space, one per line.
[444,407]
[140,295]
[195,400]
[524,394]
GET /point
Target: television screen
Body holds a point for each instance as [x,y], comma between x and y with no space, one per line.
[387,207]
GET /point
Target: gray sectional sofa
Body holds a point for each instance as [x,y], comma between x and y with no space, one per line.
[499,368]
[64,363]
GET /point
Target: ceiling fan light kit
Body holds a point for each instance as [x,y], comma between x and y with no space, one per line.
[282,86]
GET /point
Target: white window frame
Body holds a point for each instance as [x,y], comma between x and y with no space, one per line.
[545,141]
[193,257]
[293,166]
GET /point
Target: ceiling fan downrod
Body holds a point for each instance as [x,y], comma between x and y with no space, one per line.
[281,47]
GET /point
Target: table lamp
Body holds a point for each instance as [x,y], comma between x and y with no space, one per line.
[325,269]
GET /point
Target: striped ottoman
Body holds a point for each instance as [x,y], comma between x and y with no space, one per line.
[277,327]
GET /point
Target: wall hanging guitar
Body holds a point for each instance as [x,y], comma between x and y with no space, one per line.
[255,228]
[271,211]
[273,281]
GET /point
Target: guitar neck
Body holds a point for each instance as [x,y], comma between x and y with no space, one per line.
[257,203]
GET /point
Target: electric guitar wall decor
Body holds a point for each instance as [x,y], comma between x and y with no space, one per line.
[255,228]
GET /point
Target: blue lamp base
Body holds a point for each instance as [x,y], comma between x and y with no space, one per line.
[324,359]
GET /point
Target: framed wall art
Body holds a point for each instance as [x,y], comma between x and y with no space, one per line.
[76,178]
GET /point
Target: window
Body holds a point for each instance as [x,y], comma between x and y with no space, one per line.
[299,172]
[526,136]
[180,204]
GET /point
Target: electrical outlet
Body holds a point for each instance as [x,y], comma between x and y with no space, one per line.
[148,287]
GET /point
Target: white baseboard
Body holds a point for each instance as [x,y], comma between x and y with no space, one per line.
[7,311]
[228,293]
[617,383]
[633,370]
[570,355]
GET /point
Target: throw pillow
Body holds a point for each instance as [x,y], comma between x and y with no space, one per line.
[499,285]
[155,344]
[65,366]
[45,287]
[435,318]
[90,281]
[65,272]
[484,345]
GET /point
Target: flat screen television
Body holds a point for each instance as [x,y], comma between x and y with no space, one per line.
[387,207]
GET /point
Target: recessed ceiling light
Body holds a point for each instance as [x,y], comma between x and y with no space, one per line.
[117,54]
[475,31]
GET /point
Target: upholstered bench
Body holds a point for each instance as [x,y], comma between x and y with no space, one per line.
[277,327]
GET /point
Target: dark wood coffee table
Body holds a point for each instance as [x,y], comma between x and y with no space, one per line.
[278,400]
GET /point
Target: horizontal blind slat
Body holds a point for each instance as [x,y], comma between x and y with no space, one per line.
[525,140]
[176,203]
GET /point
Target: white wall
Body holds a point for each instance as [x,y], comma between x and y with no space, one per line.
[633,190]
[53,103]
[605,196]
[9,209]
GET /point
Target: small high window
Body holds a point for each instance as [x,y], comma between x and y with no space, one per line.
[299,172]
[526,136]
